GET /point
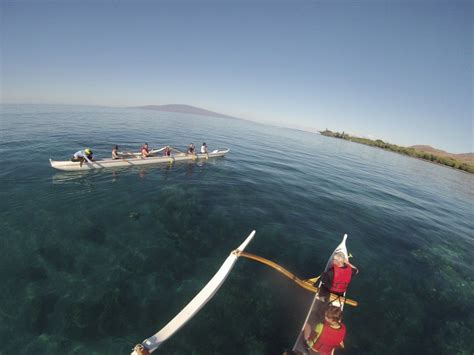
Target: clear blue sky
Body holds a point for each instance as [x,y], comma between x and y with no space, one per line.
[401,71]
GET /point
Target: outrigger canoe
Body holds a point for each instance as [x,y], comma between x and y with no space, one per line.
[315,314]
[317,308]
[133,161]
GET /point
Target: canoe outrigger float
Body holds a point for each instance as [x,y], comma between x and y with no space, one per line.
[152,343]
[133,160]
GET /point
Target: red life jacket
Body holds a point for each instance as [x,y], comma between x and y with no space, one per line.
[342,278]
[145,149]
[329,339]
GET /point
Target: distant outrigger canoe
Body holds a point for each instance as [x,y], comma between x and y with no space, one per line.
[133,161]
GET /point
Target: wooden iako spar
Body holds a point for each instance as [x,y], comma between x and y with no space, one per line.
[306,284]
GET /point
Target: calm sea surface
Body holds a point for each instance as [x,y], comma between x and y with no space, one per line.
[95,262]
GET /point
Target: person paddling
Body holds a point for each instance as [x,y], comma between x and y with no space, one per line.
[204,148]
[145,151]
[191,148]
[167,151]
[83,155]
[140,349]
[337,279]
[115,154]
[328,336]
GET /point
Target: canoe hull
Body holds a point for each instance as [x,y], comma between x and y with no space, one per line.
[317,308]
[139,161]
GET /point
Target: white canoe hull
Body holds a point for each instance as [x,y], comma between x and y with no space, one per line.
[300,344]
[139,161]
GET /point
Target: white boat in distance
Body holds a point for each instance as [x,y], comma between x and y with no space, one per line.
[133,161]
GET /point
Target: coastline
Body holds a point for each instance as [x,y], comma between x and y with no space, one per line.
[468,168]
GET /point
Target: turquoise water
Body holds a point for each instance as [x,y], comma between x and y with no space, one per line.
[94,262]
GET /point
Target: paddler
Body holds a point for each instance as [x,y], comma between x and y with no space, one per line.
[145,150]
[191,148]
[115,154]
[140,349]
[167,151]
[204,148]
[83,155]
[336,280]
[328,336]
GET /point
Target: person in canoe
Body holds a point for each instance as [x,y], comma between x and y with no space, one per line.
[337,279]
[167,151]
[204,148]
[83,155]
[191,148]
[145,151]
[115,154]
[140,349]
[327,336]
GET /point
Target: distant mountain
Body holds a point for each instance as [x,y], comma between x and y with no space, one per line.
[192,110]
[465,157]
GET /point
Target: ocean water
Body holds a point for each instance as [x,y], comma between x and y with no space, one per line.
[95,262]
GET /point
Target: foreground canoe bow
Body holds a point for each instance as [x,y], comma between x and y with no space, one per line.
[133,161]
[300,346]
[153,342]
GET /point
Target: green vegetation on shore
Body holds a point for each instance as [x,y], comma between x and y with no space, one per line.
[412,152]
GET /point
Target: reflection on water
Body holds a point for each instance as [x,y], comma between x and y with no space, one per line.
[65,177]
[87,176]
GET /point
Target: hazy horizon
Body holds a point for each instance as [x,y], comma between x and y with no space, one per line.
[314,130]
[394,70]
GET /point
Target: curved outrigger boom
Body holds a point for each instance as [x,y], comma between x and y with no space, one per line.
[152,343]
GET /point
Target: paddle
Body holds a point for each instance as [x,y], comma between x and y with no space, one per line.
[176,150]
[153,151]
[313,280]
[86,159]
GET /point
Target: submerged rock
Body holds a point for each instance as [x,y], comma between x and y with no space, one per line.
[134,215]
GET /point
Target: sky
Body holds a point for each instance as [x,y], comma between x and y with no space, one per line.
[401,71]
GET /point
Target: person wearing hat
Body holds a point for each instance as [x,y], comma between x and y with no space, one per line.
[83,155]
[140,349]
